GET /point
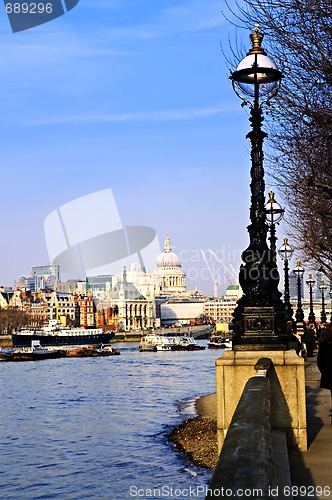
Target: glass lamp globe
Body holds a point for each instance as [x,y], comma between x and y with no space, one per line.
[286,250]
[299,271]
[310,281]
[322,287]
[257,69]
[273,210]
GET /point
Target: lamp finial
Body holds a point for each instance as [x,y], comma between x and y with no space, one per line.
[256,39]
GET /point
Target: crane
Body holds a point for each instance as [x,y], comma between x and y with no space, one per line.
[229,268]
[216,281]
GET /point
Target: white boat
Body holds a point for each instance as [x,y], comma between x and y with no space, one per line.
[219,342]
[155,343]
[55,334]
[186,344]
[151,342]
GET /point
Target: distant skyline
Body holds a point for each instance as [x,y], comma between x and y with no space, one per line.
[132,96]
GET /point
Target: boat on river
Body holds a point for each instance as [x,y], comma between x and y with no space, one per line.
[90,351]
[219,342]
[55,334]
[186,344]
[151,342]
[33,353]
[155,343]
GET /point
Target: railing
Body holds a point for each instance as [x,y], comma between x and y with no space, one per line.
[246,466]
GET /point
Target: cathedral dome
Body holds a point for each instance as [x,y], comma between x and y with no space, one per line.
[168,258]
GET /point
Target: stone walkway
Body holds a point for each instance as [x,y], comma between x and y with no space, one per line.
[312,470]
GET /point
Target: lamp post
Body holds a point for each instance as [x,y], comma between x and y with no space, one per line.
[274,214]
[323,288]
[299,315]
[312,318]
[260,317]
[286,252]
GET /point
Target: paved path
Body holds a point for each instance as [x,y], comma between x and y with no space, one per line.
[313,469]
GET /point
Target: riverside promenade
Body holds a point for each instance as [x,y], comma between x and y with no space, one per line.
[310,471]
[313,469]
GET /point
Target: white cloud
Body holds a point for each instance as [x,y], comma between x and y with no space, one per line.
[157,116]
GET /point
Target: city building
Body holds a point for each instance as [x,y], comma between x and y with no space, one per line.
[87,309]
[126,306]
[132,300]
[293,291]
[47,270]
[97,285]
[71,286]
[168,275]
[220,309]
[181,312]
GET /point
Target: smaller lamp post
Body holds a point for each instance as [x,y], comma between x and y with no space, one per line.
[299,315]
[286,252]
[274,214]
[312,318]
[323,288]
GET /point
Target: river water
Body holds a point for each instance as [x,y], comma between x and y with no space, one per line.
[97,427]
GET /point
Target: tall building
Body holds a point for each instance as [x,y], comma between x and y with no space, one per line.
[169,277]
[98,285]
[42,277]
[293,292]
[47,270]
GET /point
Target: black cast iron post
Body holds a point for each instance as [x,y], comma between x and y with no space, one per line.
[259,318]
[311,318]
[299,315]
[323,288]
[274,214]
[286,252]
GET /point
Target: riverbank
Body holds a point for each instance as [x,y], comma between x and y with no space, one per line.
[197,437]
[196,331]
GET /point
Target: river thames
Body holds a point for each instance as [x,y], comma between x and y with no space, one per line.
[97,427]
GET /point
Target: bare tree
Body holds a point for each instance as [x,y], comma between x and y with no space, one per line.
[298,36]
[11,319]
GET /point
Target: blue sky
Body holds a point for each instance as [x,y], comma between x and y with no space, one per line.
[132,96]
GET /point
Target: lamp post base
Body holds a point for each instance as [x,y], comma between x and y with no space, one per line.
[259,331]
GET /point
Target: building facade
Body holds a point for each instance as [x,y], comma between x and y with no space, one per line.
[169,277]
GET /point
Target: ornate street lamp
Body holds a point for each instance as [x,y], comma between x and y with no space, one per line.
[260,317]
[299,315]
[286,252]
[323,288]
[312,318]
[274,214]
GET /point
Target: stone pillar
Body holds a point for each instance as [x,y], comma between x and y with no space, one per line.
[287,380]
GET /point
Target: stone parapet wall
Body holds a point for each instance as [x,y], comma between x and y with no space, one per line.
[287,382]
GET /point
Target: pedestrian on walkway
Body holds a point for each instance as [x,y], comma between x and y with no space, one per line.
[308,338]
[324,359]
